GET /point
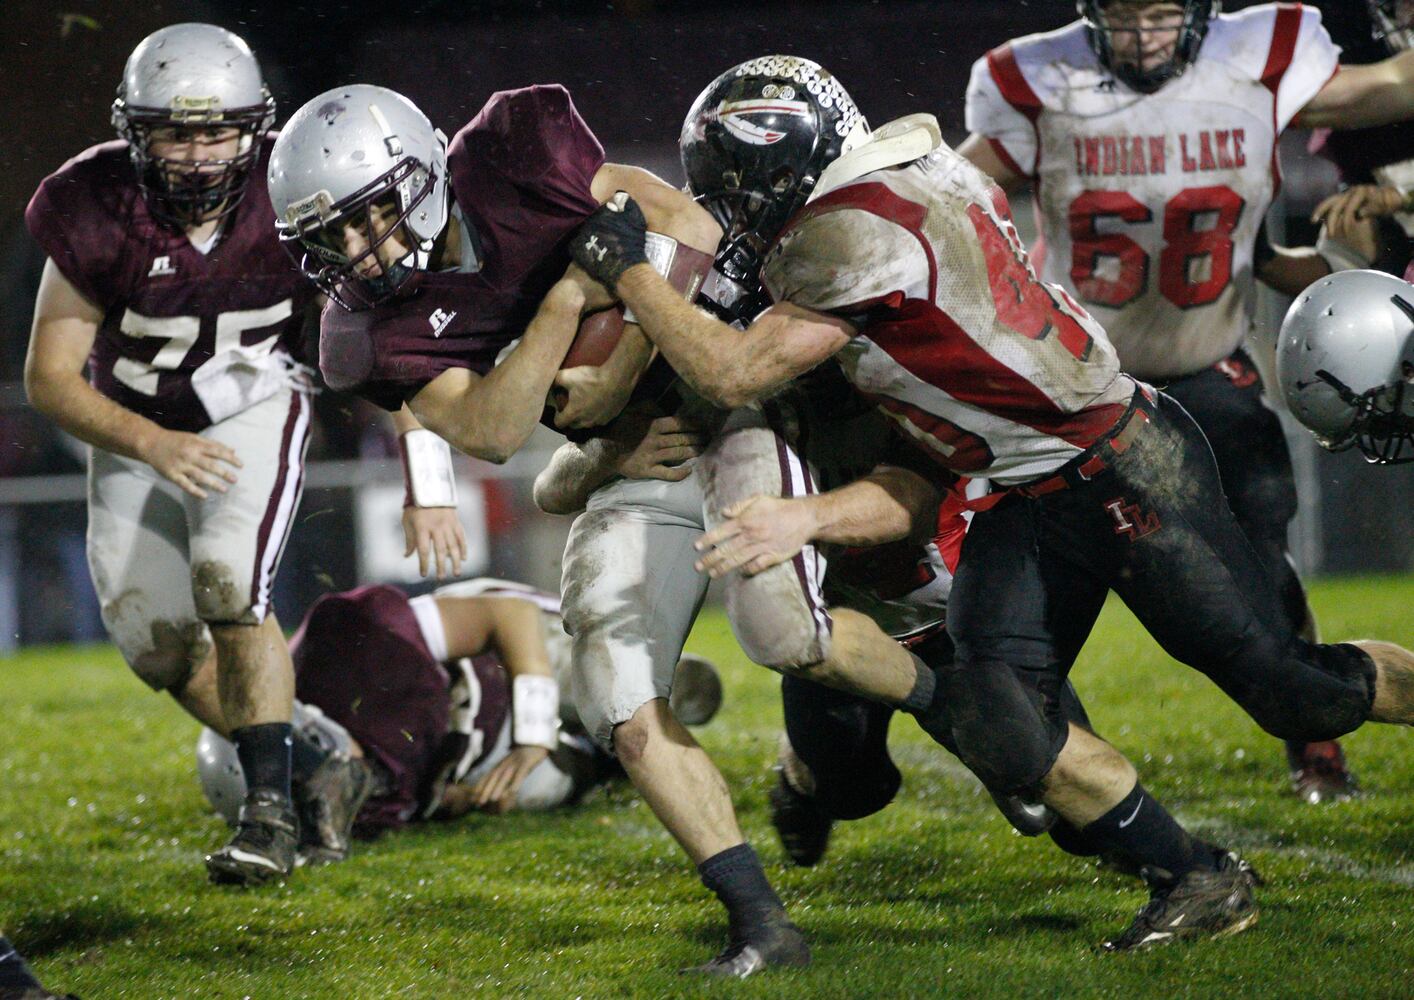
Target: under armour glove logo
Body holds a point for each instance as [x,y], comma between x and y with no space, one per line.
[611,240]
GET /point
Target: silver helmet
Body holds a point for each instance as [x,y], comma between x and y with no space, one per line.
[219,769]
[1345,363]
[354,156]
[192,82]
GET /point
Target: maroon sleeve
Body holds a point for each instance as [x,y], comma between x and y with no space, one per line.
[535,138]
[386,359]
[76,219]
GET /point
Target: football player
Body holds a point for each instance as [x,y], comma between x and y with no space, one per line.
[377,205]
[1345,363]
[900,258]
[454,698]
[1149,130]
[163,277]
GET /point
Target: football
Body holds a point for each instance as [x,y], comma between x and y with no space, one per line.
[599,332]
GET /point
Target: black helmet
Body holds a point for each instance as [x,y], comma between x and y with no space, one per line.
[753,148]
[1197,14]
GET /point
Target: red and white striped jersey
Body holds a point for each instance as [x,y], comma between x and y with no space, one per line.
[995,374]
[1150,204]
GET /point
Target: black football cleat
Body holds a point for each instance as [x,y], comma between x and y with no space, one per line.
[265,844]
[804,828]
[777,942]
[1203,903]
[1319,773]
[328,804]
[697,691]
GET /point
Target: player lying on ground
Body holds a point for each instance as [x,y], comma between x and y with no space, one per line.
[453,698]
[1150,132]
[905,264]
[478,230]
[165,279]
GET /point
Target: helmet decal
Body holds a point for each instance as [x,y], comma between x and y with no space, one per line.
[754,121]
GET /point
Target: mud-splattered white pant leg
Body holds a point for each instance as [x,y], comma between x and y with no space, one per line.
[779,617]
[237,537]
[159,556]
[630,595]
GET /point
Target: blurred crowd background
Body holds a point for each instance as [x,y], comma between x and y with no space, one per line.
[634,67]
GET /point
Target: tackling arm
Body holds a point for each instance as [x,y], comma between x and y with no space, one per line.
[597,395]
[887,505]
[1363,96]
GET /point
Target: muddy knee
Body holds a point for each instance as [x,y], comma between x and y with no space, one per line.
[162,651]
[220,596]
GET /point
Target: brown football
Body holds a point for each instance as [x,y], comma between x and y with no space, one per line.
[599,332]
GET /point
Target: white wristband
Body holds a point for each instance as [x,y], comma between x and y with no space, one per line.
[1340,256]
[427,470]
[661,250]
[535,711]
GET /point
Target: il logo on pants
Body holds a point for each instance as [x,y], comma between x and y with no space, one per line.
[1130,520]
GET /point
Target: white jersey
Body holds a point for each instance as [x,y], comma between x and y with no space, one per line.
[1150,204]
[993,373]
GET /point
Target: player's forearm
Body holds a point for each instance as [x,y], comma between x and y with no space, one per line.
[887,505]
[506,405]
[67,399]
[726,366]
[1370,95]
[1290,270]
[574,473]
[518,634]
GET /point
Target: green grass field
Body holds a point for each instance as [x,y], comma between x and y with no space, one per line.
[102,829]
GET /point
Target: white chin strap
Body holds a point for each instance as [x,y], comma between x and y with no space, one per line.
[902,140]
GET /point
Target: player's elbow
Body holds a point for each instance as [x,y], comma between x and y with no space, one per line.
[550,497]
[43,388]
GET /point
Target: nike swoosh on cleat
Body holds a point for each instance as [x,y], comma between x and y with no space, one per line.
[235,854]
[1155,936]
[1125,822]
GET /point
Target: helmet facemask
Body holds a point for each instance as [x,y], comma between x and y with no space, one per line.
[1392,22]
[191,191]
[1382,426]
[313,233]
[1120,30]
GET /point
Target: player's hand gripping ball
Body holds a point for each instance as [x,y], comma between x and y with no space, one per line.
[612,240]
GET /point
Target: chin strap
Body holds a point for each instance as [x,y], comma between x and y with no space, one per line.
[902,140]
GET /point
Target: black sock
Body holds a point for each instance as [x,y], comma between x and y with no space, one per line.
[739,881]
[925,688]
[264,753]
[1141,830]
[14,974]
[305,757]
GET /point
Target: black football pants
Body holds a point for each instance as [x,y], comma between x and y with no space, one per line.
[1153,527]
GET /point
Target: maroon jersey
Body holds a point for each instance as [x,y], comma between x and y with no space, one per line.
[361,658]
[520,173]
[167,308]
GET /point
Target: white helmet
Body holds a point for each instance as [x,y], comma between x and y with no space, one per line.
[345,153]
[219,769]
[1345,363]
[192,77]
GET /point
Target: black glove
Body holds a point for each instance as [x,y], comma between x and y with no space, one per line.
[611,240]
